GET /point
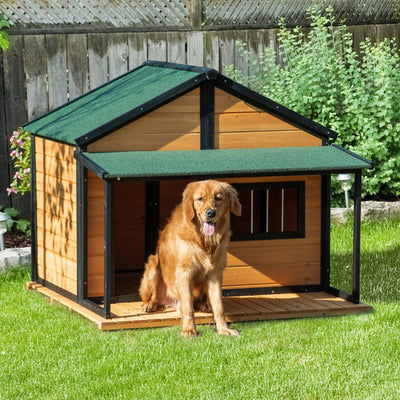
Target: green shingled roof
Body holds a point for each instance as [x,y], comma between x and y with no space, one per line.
[110,102]
[226,162]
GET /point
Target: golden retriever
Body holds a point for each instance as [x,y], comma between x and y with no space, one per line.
[186,270]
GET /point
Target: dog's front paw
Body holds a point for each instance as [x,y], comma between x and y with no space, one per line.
[152,306]
[228,332]
[189,333]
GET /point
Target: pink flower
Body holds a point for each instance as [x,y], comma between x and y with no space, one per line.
[20,142]
[15,133]
[17,175]
[11,190]
[13,153]
[27,170]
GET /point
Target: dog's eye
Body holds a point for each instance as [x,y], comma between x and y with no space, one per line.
[200,199]
[218,197]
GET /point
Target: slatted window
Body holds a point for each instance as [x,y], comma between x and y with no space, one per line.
[270,210]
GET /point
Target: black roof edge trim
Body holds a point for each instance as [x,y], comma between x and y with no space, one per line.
[371,163]
[140,111]
[90,165]
[275,108]
[83,95]
[182,67]
[225,175]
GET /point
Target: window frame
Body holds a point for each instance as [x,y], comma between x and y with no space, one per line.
[299,233]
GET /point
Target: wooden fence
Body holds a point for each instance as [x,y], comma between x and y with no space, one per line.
[42,71]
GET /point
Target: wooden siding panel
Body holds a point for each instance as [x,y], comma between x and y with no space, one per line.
[57,279]
[95,240]
[57,243]
[269,275]
[237,140]
[54,149]
[56,214]
[55,224]
[56,167]
[62,188]
[284,261]
[52,204]
[174,126]
[239,124]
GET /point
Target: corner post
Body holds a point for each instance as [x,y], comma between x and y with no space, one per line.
[325,231]
[82,190]
[356,238]
[34,266]
[108,245]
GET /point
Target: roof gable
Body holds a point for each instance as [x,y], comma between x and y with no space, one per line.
[140,91]
[116,103]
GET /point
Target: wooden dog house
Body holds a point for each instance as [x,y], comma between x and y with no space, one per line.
[108,168]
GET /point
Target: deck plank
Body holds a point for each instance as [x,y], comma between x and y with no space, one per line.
[129,315]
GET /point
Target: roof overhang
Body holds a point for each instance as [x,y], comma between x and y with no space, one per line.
[150,165]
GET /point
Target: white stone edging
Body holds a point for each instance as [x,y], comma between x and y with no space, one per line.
[11,258]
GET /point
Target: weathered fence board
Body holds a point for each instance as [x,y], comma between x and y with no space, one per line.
[137,44]
[98,59]
[56,46]
[14,105]
[157,46]
[36,76]
[77,65]
[118,54]
[5,200]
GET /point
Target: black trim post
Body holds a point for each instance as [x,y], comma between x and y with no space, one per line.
[108,245]
[82,221]
[356,238]
[152,216]
[207,107]
[325,230]
[34,266]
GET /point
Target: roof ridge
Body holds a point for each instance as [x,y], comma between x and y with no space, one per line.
[182,67]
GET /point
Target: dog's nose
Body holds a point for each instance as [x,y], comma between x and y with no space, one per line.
[210,213]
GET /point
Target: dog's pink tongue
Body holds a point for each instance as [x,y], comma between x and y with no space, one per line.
[208,228]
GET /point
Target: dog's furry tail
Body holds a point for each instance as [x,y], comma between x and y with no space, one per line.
[151,278]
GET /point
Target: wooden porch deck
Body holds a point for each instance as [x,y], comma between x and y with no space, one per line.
[128,315]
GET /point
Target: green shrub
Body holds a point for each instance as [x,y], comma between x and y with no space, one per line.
[320,76]
[15,223]
[4,38]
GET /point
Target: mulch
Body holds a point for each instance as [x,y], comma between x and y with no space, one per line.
[16,239]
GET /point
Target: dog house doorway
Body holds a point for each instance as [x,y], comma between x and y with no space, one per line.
[141,209]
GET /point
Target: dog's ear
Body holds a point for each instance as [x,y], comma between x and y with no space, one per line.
[187,202]
[236,207]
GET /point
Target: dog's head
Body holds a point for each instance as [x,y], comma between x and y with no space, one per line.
[210,201]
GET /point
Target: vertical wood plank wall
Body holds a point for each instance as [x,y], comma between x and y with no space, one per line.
[56,214]
[239,124]
[174,126]
[279,262]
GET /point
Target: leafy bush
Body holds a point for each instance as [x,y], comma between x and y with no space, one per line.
[320,76]
[15,223]
[4,40]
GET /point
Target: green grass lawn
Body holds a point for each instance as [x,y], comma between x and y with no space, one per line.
[47,352]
